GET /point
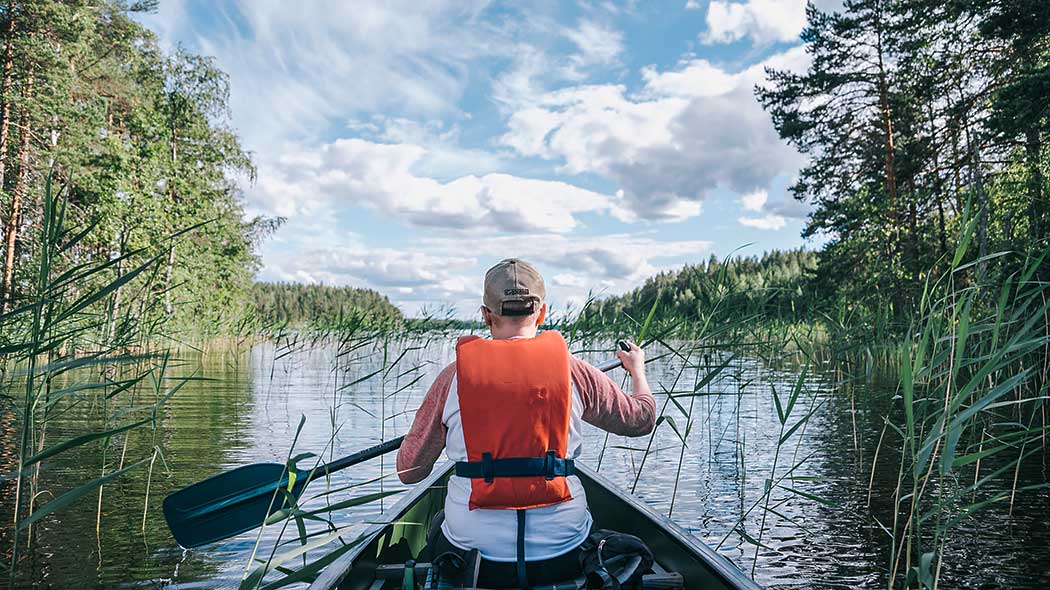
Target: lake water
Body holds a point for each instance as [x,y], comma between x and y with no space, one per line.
[250,411]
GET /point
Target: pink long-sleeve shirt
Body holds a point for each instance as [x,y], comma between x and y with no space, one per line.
[605,405]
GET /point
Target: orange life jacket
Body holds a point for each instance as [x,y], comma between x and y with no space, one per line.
[515,398]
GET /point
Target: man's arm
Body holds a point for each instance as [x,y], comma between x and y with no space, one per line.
[426,439]
[606,406]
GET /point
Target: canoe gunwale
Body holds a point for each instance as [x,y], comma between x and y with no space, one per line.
[714,560]
[332,576]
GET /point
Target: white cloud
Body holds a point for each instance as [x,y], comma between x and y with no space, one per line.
[765,21]
[574,265]
[435,271]
[789,207]
[443,158]
[521,83]
[609,261]
[568,279]
[698,78]
[596,44]
[755,200]
[391,78]
[410,277]
[534,68]
[688,131]
[383,267]
[382,176]
[769,222]
[295,72]
[770,215]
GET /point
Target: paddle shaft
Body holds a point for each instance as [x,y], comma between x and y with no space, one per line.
[361,456]
[393,444]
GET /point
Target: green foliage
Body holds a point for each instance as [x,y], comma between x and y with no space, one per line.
[926,126]
[908,110]
[141,140]
[968,378]
[298,305]
[777,284]
[44,375]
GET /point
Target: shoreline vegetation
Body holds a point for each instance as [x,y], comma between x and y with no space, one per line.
[925,124]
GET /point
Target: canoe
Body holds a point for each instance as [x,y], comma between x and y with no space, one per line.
[404,538]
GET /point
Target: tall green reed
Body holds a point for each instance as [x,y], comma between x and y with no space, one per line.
[712,347]
[313,530]
[66,344]
[971,391]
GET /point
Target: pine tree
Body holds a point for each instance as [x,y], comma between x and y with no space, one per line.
[844,114]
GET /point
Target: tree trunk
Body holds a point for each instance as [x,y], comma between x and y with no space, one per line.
[11,228]
[887,127]
[890,167]
[1033,151]
[5,125]
[169,271]
[956,166]
[982,201]
[886,115]
[938,182]
[168,309]
[5,87]
[942,232]
[913,229]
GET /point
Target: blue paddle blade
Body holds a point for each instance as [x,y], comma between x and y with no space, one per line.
[229,503]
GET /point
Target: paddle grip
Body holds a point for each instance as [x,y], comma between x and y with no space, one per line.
[361,456]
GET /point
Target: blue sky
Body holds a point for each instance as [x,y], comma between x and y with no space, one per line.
[411,145]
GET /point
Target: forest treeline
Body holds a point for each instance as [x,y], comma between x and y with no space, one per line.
[775,284]
[910,112]
[141,158]
[297,304]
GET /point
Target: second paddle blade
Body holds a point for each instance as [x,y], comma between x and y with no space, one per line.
[228,504]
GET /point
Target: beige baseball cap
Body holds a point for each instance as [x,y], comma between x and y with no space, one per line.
[513,287]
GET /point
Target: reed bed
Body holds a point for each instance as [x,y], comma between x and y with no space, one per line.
[972,361]
[365,359]
[973,389]
[83,336]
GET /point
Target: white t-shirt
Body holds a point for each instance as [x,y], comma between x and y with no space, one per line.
[550,531]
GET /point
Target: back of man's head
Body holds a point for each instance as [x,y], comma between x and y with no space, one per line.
[514,289]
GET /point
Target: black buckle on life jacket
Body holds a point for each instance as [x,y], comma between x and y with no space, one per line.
[488,469]
[548,465]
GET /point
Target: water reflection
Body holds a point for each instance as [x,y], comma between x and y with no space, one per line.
[251,409]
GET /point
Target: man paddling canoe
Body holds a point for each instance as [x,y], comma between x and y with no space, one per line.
[509,411]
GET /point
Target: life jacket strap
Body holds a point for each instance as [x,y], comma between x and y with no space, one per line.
[548,466]
[523,579]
